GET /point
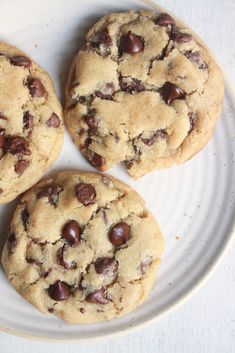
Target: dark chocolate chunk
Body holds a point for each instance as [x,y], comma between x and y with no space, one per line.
[53,121]
[27,121]
[52,192]
[164,20]
[71,232]
[20,60]
[131,43]
[59,291]
[169,92]
[36,88]
[180,37]
[2,137]
[17,144]
[20,166]
[25,218]
[119,234]
[106,266]
[96,160]
[97,297]
[85,194]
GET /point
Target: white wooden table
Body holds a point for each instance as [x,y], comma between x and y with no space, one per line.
[206,323]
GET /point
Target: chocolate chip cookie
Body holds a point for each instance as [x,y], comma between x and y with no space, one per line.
[82,246]
[144,91]
[31,127]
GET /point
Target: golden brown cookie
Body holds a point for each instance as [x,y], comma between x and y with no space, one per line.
[83,247]
[143,91]
[31,124]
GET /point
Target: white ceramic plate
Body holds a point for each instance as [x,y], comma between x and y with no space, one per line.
[194,203]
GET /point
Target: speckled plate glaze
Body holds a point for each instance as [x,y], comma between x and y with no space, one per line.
[194,203]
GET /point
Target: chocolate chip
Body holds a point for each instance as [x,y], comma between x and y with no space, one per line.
[196,58]
[82,310]
[129,164]
[97,297]
[192,117]
[85,194]
[17,144]
[91,122]
[164,20]
[36,88]
[96,160]
[52,192]
[119,234]
[53,121]
[169,92]
[20,60]
[105,38]
[106,266]
[27,121]
[51,310]
[3,116]
[158,134]
[133,86]
[131,43]
[2,137]
[71,232]
[180,37]
[20,166]
[62,262]
[101,95]
[25,218]
[59,291]
[87,142]
[102,37]
[11,241]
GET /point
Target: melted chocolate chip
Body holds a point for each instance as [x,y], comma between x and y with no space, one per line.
[180,37]
[85,194]
[106,266]
[62,262]
[104,38]
[2,137]
[91,122]
[101,95]
[53,121]
[164,20]
[27,121]
[97,297]
[192,117]
[59,291]
[11,241]
[52,192]
[20,60]
[51,310]
[17,144]
[3,116]
[119,234]
[96,160]
[131,43]
[133,86]
[196,58]
[71,232]
[169,92]
[20,166]
[159,134]
[25,218]
[36,88]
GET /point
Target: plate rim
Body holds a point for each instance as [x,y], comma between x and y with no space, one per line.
[230,87]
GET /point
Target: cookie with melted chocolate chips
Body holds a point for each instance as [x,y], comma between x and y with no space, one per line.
[141,77]
[97,256]
[31,124]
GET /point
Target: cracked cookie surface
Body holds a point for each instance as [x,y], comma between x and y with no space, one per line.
[143,91]
[82,246]
[31,125]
